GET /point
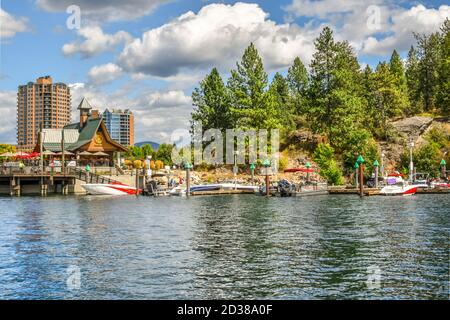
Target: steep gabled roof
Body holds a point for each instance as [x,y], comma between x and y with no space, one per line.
[84,104]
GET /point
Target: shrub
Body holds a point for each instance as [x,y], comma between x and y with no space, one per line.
[329,169]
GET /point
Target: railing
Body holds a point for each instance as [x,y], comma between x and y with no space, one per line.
[90,177]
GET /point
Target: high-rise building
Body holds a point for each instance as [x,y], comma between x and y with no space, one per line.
[41,102]
[120,125]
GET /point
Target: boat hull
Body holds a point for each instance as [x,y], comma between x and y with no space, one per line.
[108,189]
[398,191]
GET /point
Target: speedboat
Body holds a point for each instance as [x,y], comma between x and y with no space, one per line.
[114,189]
[181,189]
[421,180]
[400,189]
[440,184]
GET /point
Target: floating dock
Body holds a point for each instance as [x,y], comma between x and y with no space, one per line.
[375,192]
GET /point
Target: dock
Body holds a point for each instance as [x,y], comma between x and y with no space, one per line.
[375,192]
[221,192]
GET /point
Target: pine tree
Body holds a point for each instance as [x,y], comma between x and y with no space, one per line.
[335,92]
[389,99]
[252,105]
[297,78]
[212,103]
[279,90]
[412,79]
[398,72]
[443,94]
[428,48]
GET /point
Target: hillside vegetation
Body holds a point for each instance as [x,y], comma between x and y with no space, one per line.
[338,110]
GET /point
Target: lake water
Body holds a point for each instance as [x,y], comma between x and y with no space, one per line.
[230,247]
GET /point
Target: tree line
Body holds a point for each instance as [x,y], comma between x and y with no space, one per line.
[349,105]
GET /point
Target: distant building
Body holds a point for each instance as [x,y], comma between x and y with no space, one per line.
[41,102]
[89,135]
[120,125]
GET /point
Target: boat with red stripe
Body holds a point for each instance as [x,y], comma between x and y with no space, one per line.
[113,189]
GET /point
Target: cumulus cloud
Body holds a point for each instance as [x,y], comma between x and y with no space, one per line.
[104,73]
[8,105]
[157,113]
[374,28]
[11,25]
[404,23]
[105,10]
[96,42]
[216,36]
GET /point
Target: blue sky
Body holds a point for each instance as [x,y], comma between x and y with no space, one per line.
[148,55]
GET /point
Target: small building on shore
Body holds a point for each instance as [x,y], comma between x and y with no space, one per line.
[86,141]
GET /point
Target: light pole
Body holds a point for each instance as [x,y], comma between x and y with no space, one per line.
[360,162]
[375,165]
[252,170]
[356,167]
[235,169]
[411,164]
[382,164]
[188,167]
[308,167]
[443,165]
[266,165]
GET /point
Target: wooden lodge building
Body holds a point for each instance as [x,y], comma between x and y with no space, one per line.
[87,141]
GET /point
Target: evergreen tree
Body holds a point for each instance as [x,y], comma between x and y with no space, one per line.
[412,79]
[297,79]
[279,90]
[428,49]
[212,103]
[252,105]
[389,99]
[335,94]
[443,94]
[398,72]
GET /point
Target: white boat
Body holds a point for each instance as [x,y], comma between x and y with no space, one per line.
[114,189]
[399,190]
[181,189]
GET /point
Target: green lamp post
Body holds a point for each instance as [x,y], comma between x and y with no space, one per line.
[266,165]
[308,166]
[252,171]
[360,162]
[356,167]
[376,165]
[443,168]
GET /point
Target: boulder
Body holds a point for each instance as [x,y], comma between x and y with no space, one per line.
[412,127]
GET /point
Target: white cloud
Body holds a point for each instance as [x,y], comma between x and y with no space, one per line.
[157,113]
[96,42]
[351,19]
[105,10]
[10,25]
[104,73]
[8,106]
[404,23]
[216,36]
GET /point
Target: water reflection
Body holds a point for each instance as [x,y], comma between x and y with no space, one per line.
[224,247]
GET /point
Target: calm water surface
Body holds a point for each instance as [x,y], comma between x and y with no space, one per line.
[225,247]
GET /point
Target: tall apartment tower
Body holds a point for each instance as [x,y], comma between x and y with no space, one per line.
[120,125]
[41,102]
